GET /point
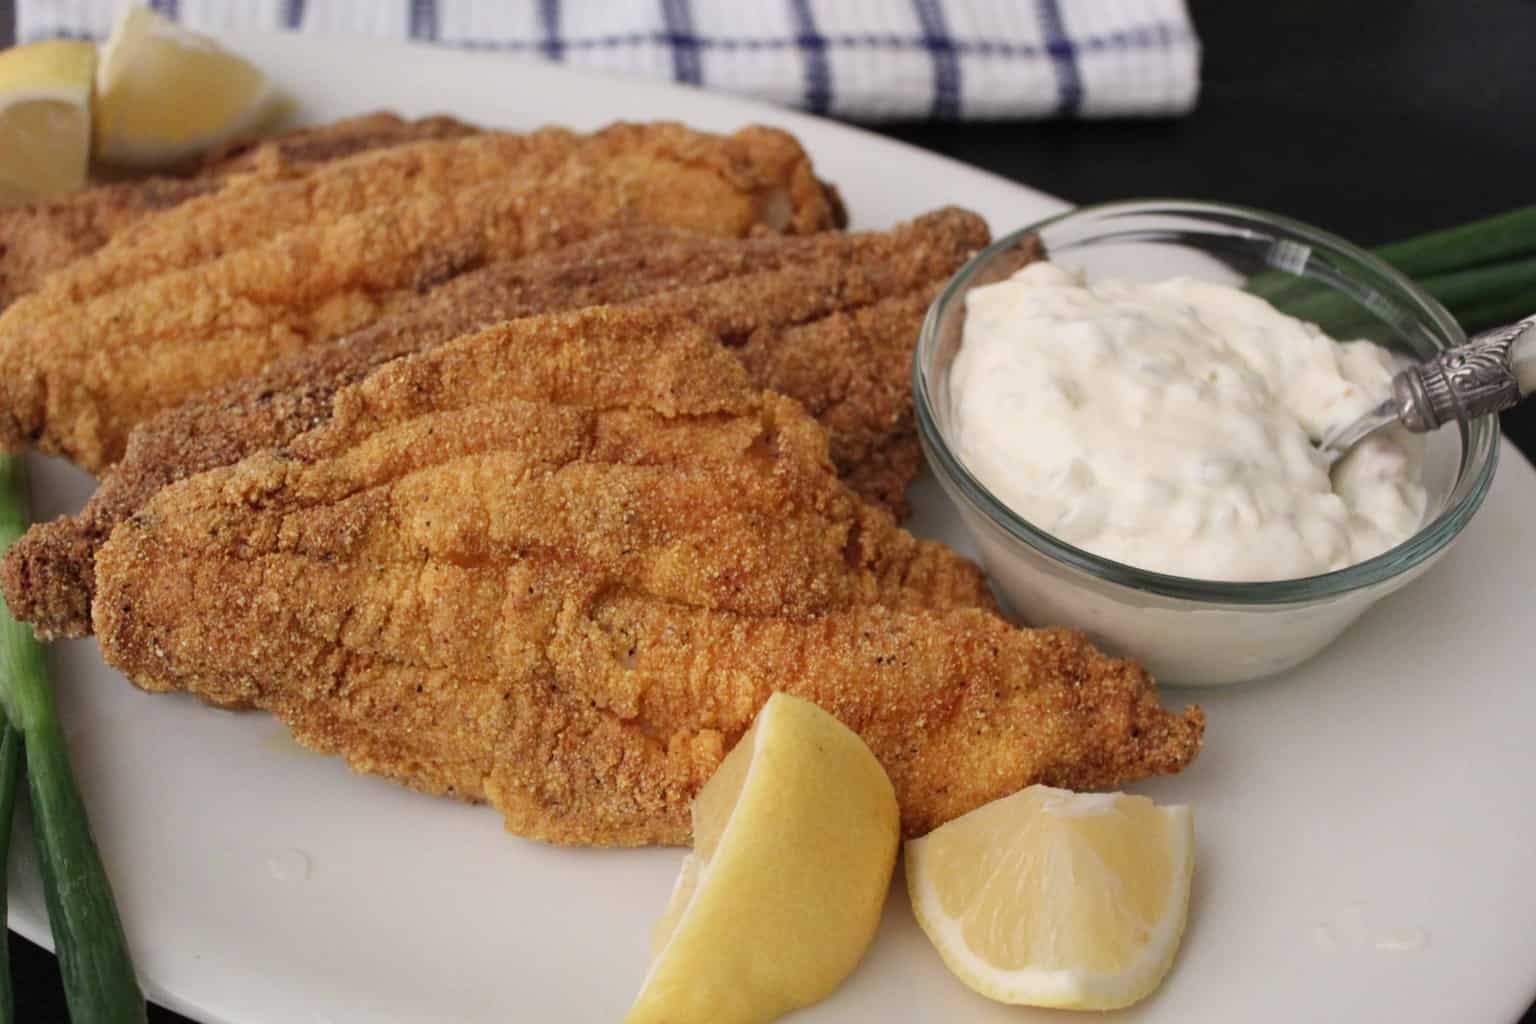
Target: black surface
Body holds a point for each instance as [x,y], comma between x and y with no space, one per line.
[1377,119]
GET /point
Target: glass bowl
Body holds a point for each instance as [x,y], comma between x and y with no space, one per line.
[1192,631]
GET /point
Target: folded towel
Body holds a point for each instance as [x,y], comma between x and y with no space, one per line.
[856,59]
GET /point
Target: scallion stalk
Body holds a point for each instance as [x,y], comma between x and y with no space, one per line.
[1466,268]
[1499,239]
[1468,289]
[1495,312]
[10,772]
[99,982]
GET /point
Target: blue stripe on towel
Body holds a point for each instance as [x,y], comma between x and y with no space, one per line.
[678,15]
[1156,35]
[424,20]
[1002,49]
[552,46]
[1069,84]
[946,63]
[813,47]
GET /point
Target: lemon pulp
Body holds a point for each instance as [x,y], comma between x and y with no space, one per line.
[164,93]
[1054,898]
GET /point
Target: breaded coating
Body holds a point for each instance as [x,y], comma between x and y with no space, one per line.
[561,563]
[81,374]
[41,237]
[853,372]
[828,319]
[300,148]
[765,166]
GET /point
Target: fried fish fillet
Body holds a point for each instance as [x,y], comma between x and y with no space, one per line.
[81,374]
[765,165]
[559,565]
[42,237]
[318,144]
[829,320]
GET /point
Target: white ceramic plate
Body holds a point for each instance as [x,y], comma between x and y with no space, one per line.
[1366,826]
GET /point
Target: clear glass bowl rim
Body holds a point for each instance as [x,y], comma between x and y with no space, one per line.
[1479,442]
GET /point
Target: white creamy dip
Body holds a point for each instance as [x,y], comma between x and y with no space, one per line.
[1170,426]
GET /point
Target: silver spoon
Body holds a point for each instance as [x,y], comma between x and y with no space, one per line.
[1491,372]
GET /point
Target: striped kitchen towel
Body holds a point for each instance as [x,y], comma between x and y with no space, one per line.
[856,59]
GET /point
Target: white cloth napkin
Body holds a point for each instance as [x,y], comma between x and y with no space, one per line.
[856,59]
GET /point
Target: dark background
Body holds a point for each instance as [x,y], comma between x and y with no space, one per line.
[1377,119]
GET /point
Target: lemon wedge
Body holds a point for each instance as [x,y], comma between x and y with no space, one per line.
[795,839]
[45,118]
[1055,898]
[164,93]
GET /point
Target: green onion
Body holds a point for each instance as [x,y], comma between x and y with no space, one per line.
[1467,289]
[1483,273]
[10,771]
[99,983]
[1498,239]
[1495,312]
[1482,243]
[1281,287]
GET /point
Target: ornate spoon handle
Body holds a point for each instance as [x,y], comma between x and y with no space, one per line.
[1490,373]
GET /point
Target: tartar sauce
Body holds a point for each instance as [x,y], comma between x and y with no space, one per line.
[1170,426]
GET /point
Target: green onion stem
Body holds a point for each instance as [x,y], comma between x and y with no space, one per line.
[1467,289]
[1488,245]
[1496,239]
[10,773]
[99,982]
[1471,296]
[1495,312]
